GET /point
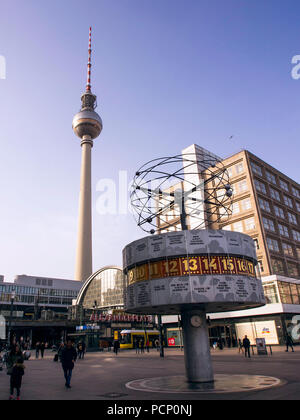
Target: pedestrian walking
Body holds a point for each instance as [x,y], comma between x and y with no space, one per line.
[157,344]
[142,346]
[240,345]
[289,343]
[220,343]
[42,349]
[116,347]
[68,359]
[16,378]
[148,345]
[37,350]
[79,350]
[83,349]
[246,345]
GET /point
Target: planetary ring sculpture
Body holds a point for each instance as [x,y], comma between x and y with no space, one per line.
[182,184]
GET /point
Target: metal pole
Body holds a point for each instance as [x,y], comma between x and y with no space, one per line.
[196,347]
[10,319]
[162,354]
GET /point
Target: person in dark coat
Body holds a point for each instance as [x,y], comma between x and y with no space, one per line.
[42,348]
[68,359]
[246,345]
[12,358]
[83,348]
[142,342]
[116,346]
[37,350]
[16,378]
[289,343]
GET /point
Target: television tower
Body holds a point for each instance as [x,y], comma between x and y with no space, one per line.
[87,125]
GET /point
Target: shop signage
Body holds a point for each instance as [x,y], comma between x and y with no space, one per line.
[171,341]
[147,319]
[261,346]
[87,327]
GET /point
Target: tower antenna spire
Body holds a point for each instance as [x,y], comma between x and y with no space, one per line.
[89,66]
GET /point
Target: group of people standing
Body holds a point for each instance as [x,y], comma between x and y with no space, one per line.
[139,345]
[40,348]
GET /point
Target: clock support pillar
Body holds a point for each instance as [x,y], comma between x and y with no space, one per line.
[196,347]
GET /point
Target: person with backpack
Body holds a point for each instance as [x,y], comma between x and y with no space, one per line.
[16,378]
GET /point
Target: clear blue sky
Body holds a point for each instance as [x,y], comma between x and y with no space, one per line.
[167,73]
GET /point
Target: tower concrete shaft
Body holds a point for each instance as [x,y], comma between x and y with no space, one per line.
[87,125]
[84,264]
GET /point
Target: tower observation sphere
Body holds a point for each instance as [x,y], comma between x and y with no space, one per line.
[87,125]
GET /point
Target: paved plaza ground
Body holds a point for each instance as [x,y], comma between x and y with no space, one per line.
[103,376]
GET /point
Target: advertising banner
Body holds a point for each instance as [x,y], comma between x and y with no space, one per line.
[259,329]
[261,346]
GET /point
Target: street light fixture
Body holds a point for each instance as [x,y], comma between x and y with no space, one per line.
[12,299]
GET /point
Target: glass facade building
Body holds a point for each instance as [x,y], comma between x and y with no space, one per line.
[103,290]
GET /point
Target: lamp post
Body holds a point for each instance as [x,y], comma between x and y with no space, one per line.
[12,298]
[162,353]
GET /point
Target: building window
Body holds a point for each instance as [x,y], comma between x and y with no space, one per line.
[250,223]
[277,267]
[239,168]
[285,292]
[271,293]
[230,172]
[284,185]
[242,186]
[279,212]
[273,244]
[292,218]
[292,269]
[271,177]
[268,224]
[256,244]
[235,208]
[296,235]
[264,205]
[288,201]
[238,227]
[246,204]
[275,194]
[260,186]
[296,192]
[295,293]
[287,249]
[298,252]
[260,266]
[256,169]
[283,230]
[298,206]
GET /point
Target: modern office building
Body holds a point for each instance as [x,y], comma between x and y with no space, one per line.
[30,295]
[266,206]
